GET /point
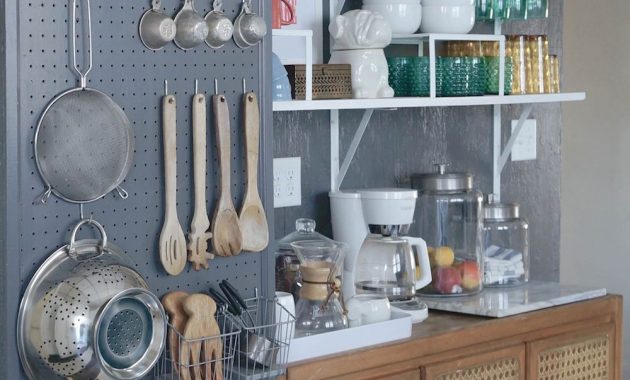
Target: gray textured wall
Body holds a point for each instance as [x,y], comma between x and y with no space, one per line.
[406,141]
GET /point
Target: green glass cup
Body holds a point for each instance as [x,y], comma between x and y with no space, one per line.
[537,9]
[484,10]
[409,76]
[492,75]
[462,76]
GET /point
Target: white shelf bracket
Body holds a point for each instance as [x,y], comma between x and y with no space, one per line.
[338,178]
[501,157]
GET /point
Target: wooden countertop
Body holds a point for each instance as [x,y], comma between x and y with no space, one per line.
[444,331]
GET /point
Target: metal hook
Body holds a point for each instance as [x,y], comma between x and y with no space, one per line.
[81,211]
[216,86]
[165,87]
[244,86]
[196,86]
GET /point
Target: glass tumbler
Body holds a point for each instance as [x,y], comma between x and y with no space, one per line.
[409,76]
[537,9]
[462,76]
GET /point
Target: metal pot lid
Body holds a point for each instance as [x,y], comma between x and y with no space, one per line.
[501,211]
[442,181]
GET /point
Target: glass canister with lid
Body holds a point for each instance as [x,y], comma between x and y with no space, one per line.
[506,245]
[448,218]
[287,262]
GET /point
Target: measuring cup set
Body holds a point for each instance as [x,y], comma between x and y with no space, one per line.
[189,29]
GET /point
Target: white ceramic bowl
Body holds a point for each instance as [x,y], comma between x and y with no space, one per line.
[403,16]
[448,16]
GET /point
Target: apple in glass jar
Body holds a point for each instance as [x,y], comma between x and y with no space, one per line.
[470,274]
[447,280]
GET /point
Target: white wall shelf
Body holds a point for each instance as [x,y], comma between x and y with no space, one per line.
[350,104]
[501,153]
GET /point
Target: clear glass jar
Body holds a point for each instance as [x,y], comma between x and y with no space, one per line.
[287,263]
[448,218]
[506,245]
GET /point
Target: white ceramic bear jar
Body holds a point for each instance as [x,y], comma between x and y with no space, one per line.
[359,38]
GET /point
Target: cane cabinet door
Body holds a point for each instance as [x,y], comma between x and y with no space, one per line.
[503,364]
[586,355]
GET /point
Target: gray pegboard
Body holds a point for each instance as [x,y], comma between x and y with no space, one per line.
[134,77]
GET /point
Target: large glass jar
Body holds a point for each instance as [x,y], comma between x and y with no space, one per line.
[506,245]
[448,218]
[287,263]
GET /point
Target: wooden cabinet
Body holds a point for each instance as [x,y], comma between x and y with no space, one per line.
[576,341]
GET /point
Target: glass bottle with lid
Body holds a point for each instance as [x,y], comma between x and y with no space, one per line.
[506,245]
[287,263]
[448,218]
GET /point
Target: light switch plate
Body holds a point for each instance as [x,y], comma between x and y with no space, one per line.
[287,182]
[525,145]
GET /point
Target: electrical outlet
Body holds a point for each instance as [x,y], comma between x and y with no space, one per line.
[524,147]
[287,182]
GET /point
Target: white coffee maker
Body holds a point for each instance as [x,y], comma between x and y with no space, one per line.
[355,213]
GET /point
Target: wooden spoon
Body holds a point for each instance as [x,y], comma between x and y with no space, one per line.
[252,216]
[173,305]
[172,239]
[227,239]
[204,330]
[198,237]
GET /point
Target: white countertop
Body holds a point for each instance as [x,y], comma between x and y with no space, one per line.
[503,302]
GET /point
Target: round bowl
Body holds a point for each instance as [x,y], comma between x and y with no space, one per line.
[447,16]
[403,17]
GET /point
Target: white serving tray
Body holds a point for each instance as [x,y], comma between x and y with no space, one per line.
[398,327]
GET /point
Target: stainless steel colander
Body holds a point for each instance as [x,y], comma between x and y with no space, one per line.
[87,315]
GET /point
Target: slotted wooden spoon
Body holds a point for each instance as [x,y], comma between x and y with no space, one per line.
[252,216]
[198,237]
[172,239]
[227,239]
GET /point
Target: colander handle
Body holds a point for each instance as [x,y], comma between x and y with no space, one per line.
[72,251]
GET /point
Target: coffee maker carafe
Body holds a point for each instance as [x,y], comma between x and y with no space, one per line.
[389,263]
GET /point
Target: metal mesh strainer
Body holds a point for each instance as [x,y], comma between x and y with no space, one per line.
[84,141]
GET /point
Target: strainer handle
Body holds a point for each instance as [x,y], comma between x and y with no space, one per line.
[72,251]
[82,74]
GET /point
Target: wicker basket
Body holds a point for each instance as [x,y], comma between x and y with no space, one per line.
[329,81]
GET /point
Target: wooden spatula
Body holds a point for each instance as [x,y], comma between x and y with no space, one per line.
[201,324]
[227,239]
[173,303]
[252,217]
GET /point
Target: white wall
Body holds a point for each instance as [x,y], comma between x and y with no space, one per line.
[595,245]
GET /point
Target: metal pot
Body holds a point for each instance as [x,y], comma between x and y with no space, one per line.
[86,314]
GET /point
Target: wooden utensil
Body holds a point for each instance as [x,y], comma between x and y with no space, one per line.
[172,239]
[227,239]
[202,325]
[174,307]
[252,217]
[198,238]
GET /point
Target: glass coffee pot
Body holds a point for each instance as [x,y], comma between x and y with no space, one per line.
[319,309]
[391,265]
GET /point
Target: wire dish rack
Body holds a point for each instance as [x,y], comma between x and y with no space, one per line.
[266,330]
[216,354]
